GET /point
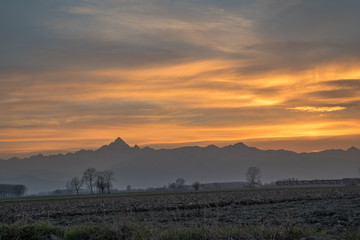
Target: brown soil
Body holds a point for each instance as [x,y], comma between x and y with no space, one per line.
[320,208]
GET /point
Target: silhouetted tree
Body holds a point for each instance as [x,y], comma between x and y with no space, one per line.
[128,187]
[253,175]
[196,186]
[20,190]
[109,177]
[100,182]
[172,185]
[89,178]
[69,187]
[74,184]
[180,182]
[11,190]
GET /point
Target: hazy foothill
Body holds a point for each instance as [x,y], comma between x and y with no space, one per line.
[147,167]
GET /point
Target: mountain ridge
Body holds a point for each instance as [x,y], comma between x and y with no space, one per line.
[120,144]
[145,167]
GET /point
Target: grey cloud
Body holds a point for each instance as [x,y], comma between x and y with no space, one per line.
[22,30]
[89,55]
[296,55]
[45,35]
[341,93]
[344,83]
[298,35]
[309,20]
[342,89]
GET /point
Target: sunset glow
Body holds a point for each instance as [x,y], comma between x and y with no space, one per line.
[167,73]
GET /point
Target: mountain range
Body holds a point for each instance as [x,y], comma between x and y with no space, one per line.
[148,167]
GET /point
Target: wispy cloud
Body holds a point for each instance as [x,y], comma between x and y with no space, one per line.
[316,109]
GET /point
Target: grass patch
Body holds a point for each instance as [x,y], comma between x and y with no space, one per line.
[39,231]
[133,231]
[89,232]
[353,235]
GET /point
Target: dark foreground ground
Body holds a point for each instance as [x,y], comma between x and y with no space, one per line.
[317,213]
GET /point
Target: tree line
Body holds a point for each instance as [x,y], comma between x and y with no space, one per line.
[102,181]
[12,190]
[94,180]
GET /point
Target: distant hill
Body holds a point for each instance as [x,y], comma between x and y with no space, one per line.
[145,167]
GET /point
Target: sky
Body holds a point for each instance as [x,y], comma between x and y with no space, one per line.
[275,74]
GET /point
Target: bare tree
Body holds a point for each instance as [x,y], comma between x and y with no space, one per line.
[109,177]
[74,184]
[20,190]
[100,182]
[196,186]
[180,182]
[89,177]
[69,187]
[172,185]
[253,176]
[128,188]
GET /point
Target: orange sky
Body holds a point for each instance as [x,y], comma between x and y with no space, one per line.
[164,80]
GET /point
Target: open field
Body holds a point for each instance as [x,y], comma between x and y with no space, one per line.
[244,214]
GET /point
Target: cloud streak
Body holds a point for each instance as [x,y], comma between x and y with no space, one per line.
[317,109]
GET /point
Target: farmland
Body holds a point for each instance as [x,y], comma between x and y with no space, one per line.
[322,213]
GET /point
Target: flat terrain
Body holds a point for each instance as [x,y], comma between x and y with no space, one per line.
[332,209]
